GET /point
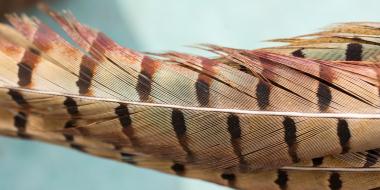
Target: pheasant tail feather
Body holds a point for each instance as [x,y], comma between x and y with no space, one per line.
[301,115]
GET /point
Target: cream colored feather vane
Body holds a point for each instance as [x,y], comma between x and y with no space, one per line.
[301,116]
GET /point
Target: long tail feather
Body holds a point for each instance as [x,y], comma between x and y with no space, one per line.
[309,109]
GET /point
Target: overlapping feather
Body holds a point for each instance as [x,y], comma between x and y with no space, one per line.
[301,115]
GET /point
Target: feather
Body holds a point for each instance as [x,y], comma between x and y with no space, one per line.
[276,179]
[269,118]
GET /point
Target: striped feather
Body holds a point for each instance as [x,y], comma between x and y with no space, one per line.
[276,179]
[249,141]
[270,118]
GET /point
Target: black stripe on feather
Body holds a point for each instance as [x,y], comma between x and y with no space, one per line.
[230,177]
[282,179]
[20,121]
[179,169]
[24,74]
[298,53]
[233,123]
[344,135]
[85,77]
[324,97]
[72,109]
[125,120]
[179,127]
[335,183]
[203,92]
[262,94]
[144,85]
[123,114]
[18,98]
[291,138]
[317,161]
[354,52]
[71,106]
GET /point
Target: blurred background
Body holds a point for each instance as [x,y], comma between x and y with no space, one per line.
[157,26]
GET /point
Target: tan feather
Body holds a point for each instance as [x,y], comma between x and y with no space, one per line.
[270,118]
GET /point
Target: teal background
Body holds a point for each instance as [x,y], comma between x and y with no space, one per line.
[156,26]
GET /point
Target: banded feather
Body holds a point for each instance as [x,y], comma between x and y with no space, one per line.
[270,179]
[271,118]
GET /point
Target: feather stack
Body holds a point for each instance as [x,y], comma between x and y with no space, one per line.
[304,115]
